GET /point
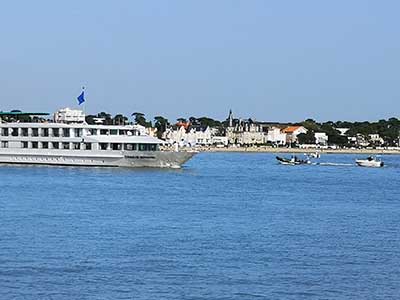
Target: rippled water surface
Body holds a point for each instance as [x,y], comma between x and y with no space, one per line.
[227,226]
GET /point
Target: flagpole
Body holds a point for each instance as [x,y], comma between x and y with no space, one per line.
[83,104]
[81,100]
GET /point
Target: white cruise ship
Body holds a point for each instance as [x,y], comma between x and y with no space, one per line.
[70,141]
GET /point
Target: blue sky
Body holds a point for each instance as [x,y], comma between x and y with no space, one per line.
[269,60]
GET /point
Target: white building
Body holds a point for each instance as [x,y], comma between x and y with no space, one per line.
[292,133]
[321,138]
[276,136]
[342,131]
[220,141]
[245,131]
[375,139]
[184,136]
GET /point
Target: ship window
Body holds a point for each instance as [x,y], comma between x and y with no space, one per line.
[116,146]
[35,132]
[55,145]
[35,145]
[122,132]
[93,131]
[4,131]
[14,132]
[104,132]
[113,131]
[45,145]
[66,134]
[77,146]
[88,146]
[45,132]
[103,146]
[65,145]
[130,147]
[78,132]
[24,144]
[142,147]
[56,132]
[153,147]
[24,131]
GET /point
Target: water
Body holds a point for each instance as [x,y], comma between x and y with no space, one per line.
[227,226]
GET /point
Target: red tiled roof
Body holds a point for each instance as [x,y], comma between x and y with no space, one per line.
[183,124]
[291,129]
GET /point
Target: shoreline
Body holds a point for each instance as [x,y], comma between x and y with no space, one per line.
[299,150]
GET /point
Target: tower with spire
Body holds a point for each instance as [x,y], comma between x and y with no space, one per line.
[230,118]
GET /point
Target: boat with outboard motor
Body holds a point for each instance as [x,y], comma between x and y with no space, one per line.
[68,140]
[293,161]
[371,162]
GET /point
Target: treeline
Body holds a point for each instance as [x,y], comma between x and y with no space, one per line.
[388,130]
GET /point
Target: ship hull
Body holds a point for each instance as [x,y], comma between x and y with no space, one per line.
[126,159]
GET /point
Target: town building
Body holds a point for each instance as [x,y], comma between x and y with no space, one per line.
[375,139]
[321,138]
[189,136]
[245,132]
[275,136]
[343,131]
[292,132]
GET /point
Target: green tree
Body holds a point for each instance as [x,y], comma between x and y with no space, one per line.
[311,125]
[120,119]
[306,138]
[181,120]
[161,124]
[193,121]
[208,122]
[140,119]
[338,140]
[106,117]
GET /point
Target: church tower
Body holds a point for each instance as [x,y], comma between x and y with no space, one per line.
[230,118]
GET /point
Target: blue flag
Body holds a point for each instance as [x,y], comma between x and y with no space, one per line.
[81,98]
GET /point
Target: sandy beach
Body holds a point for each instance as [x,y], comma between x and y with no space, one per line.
[265,149]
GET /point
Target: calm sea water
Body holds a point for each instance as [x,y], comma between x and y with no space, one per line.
[227,226]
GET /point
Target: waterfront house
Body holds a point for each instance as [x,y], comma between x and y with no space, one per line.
[321,138]
[245,132]
[219,141]
[292,133]
[184,134]
[275,136]
[375,139]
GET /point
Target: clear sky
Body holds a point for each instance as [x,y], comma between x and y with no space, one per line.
[270,60]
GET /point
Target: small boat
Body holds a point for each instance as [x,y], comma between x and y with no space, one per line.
[293,161]
[370,161]
[317,154]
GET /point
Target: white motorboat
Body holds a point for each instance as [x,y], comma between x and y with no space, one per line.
[317,154]
[370,161]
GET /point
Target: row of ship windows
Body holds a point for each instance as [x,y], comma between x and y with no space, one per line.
[61,132]
[53,159]
[84,146]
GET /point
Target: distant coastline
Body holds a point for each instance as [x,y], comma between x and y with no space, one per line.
[266,149]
